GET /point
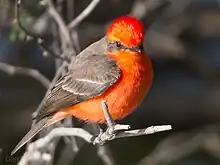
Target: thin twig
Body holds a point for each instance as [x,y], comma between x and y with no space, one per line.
[130,133]
[79,132]
[33,148]
[83,14]
[183,144]
[1,150]
[31,35]
[71,148]
[105,155]
[154,9]
[59,132]
[40,41]
[12,70]
[103,151]
[17,16]
[61,24]
[145,131]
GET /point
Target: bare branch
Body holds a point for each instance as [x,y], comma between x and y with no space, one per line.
[35,157]
[185,143]
[61,24]
[17,16]
[71,148]
[103,151]
[83,14]
[130,133]
[142,8]
[105,155]
[145,131]
[12,70]
[79,132]
[31,35]
[59,132]
[35,147]
[1,150]
[149,9]
[40,41]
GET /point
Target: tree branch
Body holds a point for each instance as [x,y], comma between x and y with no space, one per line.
[61,24]
[37,146]
[31,35]
[149,9]
[103,151]
[185,143]
[83,14]
[12,70]
[105,155]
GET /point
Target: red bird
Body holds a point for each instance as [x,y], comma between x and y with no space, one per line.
[114,69]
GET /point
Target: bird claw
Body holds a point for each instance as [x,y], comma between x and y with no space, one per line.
[102,138]
[117,127]
[110,133]
[112,128]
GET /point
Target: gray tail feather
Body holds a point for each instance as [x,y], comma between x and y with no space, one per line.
[34,130]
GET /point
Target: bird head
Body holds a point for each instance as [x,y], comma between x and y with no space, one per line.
[126,32]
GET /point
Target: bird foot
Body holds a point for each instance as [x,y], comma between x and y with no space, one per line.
[112,127]
[110,133]
[117,127]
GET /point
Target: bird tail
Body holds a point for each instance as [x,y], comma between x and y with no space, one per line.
[34,130]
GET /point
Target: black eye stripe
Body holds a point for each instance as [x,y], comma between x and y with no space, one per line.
[118,45]
[136,48]
[113,46]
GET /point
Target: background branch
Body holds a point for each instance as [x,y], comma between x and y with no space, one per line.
[83,14]
[61,24]
[12,70]
[185,143]
[31,35]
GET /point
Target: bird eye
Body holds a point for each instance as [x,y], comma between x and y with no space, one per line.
[115,46]
[118,44]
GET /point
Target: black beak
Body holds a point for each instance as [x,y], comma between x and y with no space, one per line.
[137,49]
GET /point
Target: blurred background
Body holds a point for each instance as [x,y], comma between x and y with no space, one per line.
[183,41]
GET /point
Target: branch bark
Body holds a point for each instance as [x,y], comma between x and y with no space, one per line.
[83,14]
[61,24]
[12,70]
[37,146]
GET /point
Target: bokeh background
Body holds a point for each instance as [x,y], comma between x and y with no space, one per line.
[183,41]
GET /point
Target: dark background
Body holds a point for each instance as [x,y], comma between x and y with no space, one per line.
[183,41]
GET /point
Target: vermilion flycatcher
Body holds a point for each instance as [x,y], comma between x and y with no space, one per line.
[114,69]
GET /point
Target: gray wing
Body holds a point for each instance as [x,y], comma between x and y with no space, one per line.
[86,78]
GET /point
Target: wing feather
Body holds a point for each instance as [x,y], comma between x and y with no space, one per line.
[85,79]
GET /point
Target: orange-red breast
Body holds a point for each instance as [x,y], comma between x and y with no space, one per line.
[114,69]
